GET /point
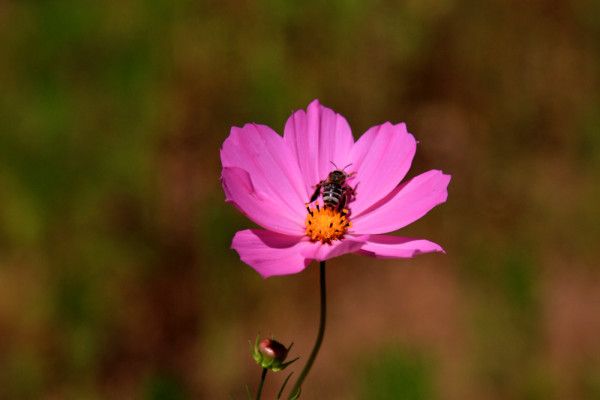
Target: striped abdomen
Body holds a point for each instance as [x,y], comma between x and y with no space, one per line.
[332,195]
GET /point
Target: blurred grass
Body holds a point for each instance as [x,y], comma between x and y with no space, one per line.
[398,374]
[116,280]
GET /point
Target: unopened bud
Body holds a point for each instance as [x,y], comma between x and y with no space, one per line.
[271,354]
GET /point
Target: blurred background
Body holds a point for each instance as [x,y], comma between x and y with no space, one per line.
[116,277]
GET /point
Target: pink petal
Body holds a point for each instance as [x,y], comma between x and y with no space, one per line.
[381,158]
[258,206]
[324,251]
[273,170]
[404,205]
[385,246]
[271,253]
[318,138]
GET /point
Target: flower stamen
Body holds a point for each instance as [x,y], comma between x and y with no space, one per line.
[325,224]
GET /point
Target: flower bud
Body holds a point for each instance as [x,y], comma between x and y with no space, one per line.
[271,354]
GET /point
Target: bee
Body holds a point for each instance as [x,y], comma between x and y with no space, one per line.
[335,190]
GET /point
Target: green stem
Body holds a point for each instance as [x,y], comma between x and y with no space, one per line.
[317,346]
[263,375]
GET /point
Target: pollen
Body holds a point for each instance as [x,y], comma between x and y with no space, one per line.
[326,224]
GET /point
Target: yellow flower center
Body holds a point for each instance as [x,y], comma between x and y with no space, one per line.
[326,224]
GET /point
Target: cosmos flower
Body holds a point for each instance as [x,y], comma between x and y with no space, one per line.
[271,179]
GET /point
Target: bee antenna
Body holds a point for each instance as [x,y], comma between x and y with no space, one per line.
[346,166]
[336,167]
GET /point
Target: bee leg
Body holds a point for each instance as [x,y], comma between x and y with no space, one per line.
[342,205]
[316,194]
[352,191]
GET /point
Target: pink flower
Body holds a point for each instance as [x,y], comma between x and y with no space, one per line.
[271,179]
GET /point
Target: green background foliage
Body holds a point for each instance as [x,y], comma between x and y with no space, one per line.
[116,277]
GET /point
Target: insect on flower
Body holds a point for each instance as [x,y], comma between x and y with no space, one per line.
[269,178]
[335,189]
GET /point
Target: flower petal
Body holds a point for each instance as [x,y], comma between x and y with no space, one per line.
[318,138]
[274,172]
[404,205]
[258,206]
[381,158]
[325,251]
[386,246]
[271,253]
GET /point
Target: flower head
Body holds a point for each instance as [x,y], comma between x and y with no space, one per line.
[311,207]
